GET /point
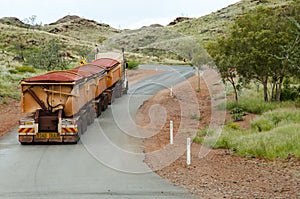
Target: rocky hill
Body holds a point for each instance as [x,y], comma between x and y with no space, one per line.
[156,40]
[152,40]
[80,28]
[217,23]
[12,21]
[75,32]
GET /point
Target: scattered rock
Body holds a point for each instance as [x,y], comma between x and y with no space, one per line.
[178,20]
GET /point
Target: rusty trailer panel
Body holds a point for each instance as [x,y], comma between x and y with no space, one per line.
[72,75]
[107,63]
[56,76]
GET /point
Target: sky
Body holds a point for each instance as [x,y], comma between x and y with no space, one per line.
[119,14]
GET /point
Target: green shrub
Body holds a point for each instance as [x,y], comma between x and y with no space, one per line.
[198,140]
[25,69]
[199,137]
[237,114]
[132,65]
[233,126]
[12,71]
[290,93]
[262,124]
[101,40]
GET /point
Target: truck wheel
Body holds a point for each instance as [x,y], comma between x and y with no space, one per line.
[104,103]
[99,108]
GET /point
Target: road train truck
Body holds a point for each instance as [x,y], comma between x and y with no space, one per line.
[61,104]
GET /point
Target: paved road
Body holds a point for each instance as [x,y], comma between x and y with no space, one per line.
[106,163]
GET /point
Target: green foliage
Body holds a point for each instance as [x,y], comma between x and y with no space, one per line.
[12,71]
[222,53]
[237,114]
[101,40]
[290,93]
[282,116]
[252,102]
[278,143]
[49,56]
[25,69]
[200,135]
[84,51]
[262,124]
[275,134]
[133,64]
[198,140]
[233,126]
[260,47]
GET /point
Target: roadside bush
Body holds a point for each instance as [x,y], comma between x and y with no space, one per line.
[199,137]
[12,71]
[290,93]
[132,65]
[233,126]
[237,114]
[25,69]
[198,140]
[262,124]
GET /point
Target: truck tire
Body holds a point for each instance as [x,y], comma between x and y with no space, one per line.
[99,108]
[104,103]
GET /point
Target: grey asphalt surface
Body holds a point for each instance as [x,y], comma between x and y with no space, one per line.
[106,163]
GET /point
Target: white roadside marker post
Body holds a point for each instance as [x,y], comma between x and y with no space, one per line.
[171,91]
[171,132]
[188,151]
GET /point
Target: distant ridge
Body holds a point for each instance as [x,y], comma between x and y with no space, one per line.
[179,20]
[74,19]
[12,21]
[65,19]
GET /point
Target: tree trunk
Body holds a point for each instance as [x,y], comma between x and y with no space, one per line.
[278,91]
[235,93]
[265,85]
[236,97]
[274,84]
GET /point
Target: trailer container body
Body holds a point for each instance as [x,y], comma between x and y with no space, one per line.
[61,104]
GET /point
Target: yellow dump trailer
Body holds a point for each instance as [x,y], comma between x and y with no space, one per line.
[63,103]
